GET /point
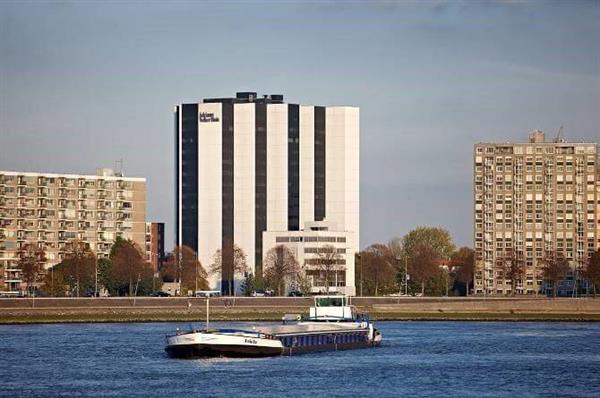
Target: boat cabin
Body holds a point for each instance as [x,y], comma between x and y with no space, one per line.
[331,308]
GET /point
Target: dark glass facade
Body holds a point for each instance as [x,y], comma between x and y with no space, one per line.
[260,173]
[293,167]
[227,271]
[189,176]
[319,163]
[176,129]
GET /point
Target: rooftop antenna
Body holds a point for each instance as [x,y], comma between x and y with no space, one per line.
[119,167]
[560,130]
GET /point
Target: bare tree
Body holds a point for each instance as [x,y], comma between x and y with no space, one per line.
[31,262]
[280,265]
[183,266]
[555,269]
[513,268]
[328,263]
[592,270]
[239,262]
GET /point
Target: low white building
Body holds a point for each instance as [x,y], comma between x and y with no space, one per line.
[306,243]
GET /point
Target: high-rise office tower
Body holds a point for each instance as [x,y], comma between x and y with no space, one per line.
[247,165]
[533,201]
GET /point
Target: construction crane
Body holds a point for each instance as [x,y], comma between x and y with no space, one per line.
[560,130]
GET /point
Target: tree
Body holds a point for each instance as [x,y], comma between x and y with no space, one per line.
[379,268]
[424,248]
[462,262]
[251,283]
[438,240]
[592,271]
[423,265]
[555,269]
[303,283]
[280,266]
[128,268]
[514,268]
[105,276]
[328,262]
[79,267]
[53,283]
[183,266]
[238,260]
[31,263]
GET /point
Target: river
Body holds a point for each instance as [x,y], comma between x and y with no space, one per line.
[466,359]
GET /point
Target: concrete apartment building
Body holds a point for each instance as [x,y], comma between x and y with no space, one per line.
[52,210]
[249,165]
[532,200]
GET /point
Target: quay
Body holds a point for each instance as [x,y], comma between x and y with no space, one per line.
[159,309]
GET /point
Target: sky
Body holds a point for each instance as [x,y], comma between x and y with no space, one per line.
[86,83]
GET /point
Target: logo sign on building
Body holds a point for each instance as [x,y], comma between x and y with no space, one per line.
[208,117]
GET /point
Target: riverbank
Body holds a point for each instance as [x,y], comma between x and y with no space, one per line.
[90,310]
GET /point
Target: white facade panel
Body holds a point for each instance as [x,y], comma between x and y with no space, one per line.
[244,180]
[307,164]
[277,167]
[209,187]
[335,172]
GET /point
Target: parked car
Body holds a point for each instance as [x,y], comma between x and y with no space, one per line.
[295,293]
[161,294]
[261,293]
[208,293]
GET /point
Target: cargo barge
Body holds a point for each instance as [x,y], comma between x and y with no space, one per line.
[332,325]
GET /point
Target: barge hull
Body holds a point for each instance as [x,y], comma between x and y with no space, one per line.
[326,347]
[194,351]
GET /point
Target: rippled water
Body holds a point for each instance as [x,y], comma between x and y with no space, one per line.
[417,359]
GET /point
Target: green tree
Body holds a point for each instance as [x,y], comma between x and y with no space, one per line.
[31,263]
[251,283]
[438,240]
[105,276]
[280,268]
[303,283]
[424,249]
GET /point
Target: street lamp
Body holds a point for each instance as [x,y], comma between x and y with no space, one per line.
[196,267]
[96,282]
[361,272]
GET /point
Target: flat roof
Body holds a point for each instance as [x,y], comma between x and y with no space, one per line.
[74,176]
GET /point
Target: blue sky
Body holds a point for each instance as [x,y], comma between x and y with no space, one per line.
[83,84]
